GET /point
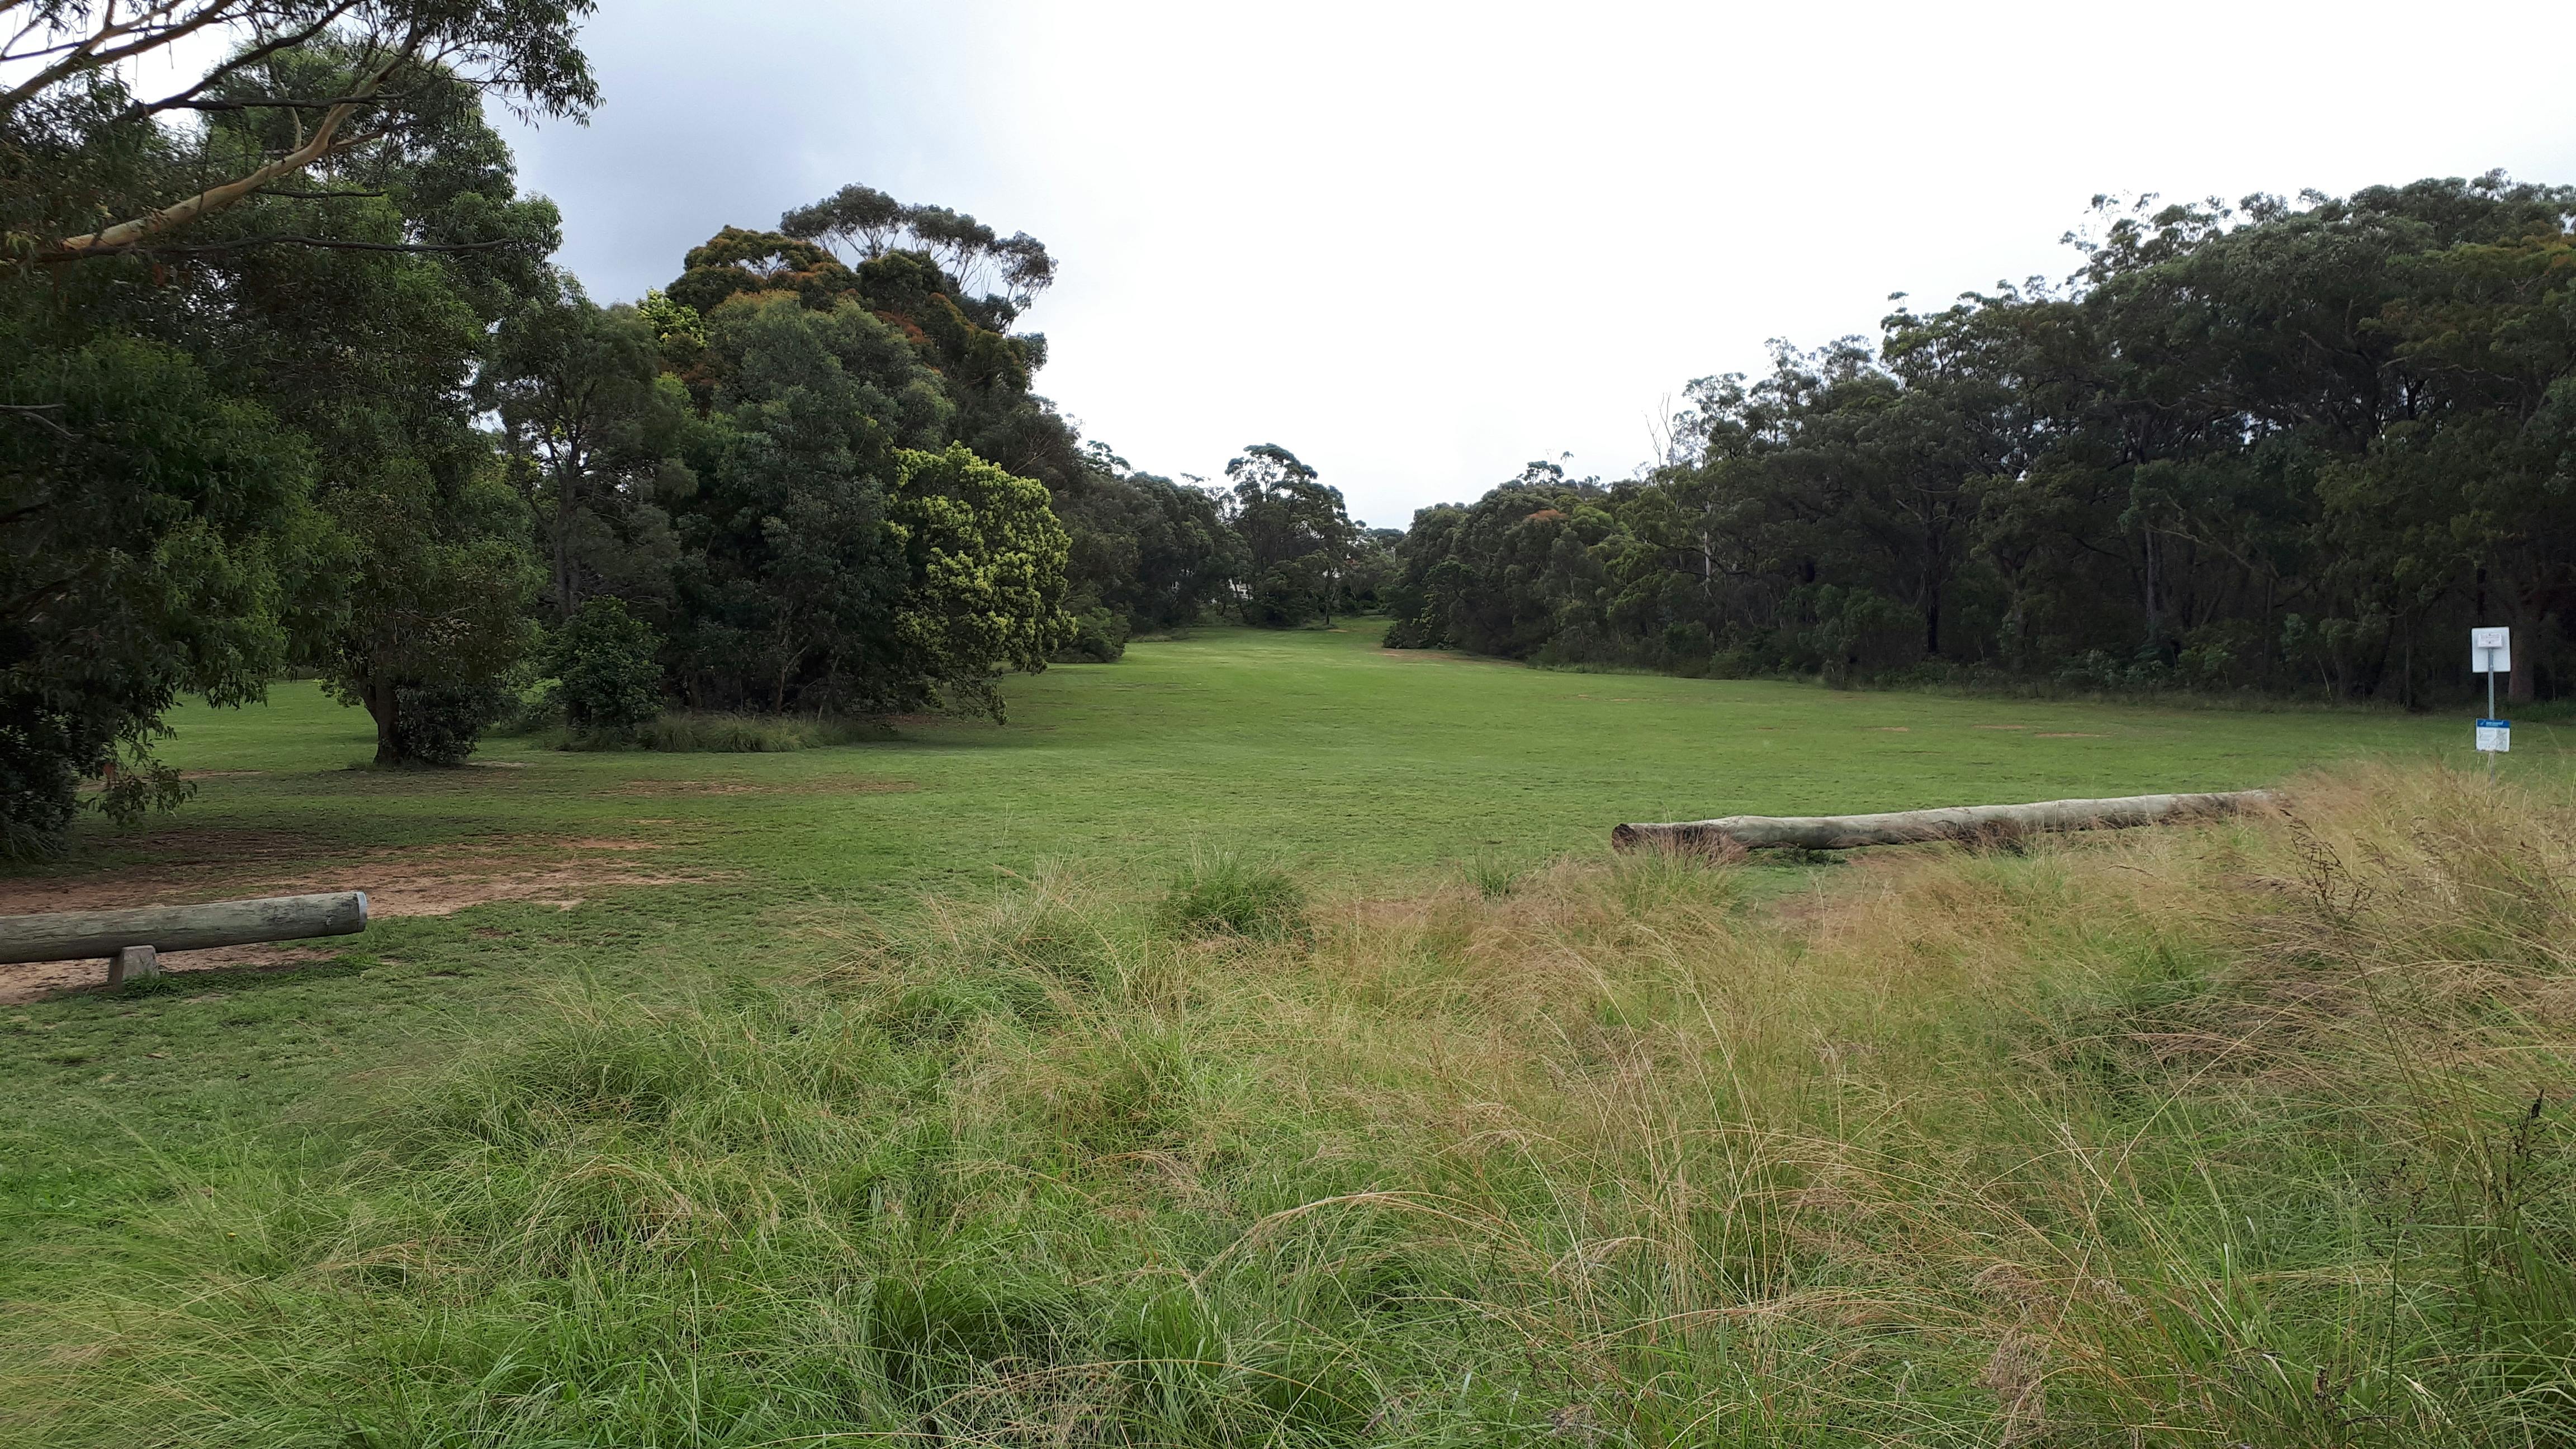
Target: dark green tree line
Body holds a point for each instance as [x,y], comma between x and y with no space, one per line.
[2272,446]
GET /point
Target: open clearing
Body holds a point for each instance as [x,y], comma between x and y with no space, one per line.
[1315,750]
[1586,1102]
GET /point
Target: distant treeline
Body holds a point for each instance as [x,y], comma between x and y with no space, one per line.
[2277,446]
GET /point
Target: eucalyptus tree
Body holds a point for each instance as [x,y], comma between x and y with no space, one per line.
[861,224]
[596,426]
[353,76]
[1297,536]
[237,302]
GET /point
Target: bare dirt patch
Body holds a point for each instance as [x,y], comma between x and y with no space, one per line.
[397,880]
[41,979]
[432,880]
[415,880]
[435,890]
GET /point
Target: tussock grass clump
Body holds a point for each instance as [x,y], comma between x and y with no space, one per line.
[1493,876]
[1219,893]
[2249,1134]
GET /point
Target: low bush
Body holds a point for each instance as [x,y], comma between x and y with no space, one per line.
[441,724]
[607,668]
[1099,637]
[534,709]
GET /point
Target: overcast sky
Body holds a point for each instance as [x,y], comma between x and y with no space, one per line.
[1420,245]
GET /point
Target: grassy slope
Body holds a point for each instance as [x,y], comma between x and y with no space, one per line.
[1314,750]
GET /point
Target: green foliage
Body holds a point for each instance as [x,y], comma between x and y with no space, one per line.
[1099,637]
[282,430]
[1502,575]
[1219,893]
[607,667]
[439,724]
[1157,553]
[1153,551]
[985,558]
[1298,540]
[866,224]
[2356,442]
[438,598]
[790,575]
[155,530]
[596,426]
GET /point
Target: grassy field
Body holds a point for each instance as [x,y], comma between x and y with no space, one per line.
[877,1091]
[1316,749]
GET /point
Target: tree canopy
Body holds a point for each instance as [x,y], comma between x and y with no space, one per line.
[244,313]
[2274,445]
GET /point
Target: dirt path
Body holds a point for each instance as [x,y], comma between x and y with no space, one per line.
[434,880]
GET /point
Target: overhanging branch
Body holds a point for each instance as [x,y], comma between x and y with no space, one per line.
[323,104]
[324,243]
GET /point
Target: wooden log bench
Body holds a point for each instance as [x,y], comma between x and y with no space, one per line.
[131,942]
[1736,833]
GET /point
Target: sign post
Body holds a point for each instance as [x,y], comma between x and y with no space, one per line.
[2491,654]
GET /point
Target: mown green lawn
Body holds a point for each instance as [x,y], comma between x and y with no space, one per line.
[1315,751]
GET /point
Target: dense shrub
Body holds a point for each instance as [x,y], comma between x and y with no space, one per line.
[608,665]
[1099,637]
[440,724]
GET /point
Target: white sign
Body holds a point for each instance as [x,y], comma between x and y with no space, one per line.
[2491,651]
[2495,736]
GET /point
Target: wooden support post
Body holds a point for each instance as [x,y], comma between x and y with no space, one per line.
[133,963]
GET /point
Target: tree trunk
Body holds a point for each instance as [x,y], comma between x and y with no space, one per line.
[2523,685]
[563,549]
[382,700]
[1738,833]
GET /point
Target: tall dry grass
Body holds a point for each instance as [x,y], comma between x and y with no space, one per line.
[2248,1134]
